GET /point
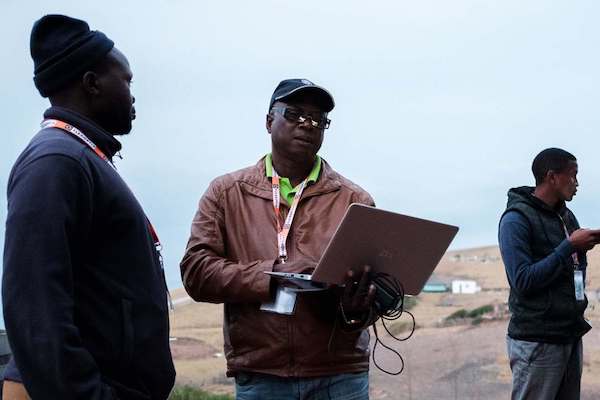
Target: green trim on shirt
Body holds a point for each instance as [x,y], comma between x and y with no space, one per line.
[285,187]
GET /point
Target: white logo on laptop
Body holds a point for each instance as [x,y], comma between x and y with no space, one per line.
[385,254]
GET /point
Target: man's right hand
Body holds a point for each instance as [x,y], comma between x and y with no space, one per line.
[297,266]
[585,239]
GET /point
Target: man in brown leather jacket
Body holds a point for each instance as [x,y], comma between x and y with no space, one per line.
[240,231]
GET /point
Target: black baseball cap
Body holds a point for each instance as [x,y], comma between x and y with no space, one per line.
[290,87]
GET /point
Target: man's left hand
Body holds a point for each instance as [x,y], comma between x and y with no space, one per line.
[358,296]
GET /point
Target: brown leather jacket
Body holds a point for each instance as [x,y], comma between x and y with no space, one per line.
[234,240]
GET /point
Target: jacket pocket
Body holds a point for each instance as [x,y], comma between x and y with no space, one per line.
[562,300]
[351,342]
[128,334]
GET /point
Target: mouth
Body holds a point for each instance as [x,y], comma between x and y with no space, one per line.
[304,140]
[132,114]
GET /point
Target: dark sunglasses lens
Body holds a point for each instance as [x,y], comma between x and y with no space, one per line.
[292,115]
[322,122]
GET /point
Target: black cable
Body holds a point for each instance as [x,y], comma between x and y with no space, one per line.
[389,306]
[390,349]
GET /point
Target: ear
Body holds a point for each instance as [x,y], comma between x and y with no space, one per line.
[551,177]
[269,122]
[89,82]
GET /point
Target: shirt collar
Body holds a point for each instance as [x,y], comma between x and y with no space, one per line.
[313,176]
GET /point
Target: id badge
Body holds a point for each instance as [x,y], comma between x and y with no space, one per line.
[284,303]
[579,290]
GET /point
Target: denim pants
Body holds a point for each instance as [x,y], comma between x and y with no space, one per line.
[250,386]
[545,370]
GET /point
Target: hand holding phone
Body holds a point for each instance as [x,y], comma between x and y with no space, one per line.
[585,239]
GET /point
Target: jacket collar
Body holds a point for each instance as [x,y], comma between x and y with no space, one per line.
[524,194]
[259,184]
[104,140]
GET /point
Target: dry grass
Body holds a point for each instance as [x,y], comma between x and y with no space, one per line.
[203,322]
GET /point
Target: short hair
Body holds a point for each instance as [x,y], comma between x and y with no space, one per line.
[552,159]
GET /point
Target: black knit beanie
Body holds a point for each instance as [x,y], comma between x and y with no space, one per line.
[62,48]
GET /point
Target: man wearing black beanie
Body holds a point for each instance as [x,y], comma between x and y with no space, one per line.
[83,290]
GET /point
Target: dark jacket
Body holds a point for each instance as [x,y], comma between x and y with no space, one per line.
[83,290]
[234,240]
[539,266]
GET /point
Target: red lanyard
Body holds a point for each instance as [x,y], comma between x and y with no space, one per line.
[55,123]
[283,232]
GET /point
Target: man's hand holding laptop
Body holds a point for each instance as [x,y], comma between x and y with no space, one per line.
[357,298]
[356,294]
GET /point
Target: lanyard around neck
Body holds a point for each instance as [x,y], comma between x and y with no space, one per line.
[68,128]
[283,232]
[574,255]
[55,123]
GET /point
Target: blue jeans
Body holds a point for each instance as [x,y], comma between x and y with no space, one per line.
[250,386]
[545,370]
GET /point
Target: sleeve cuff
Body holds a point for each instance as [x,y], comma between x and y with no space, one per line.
[11,373]
[565,249]
[263,281]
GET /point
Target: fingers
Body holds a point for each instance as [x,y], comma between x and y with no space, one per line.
[368,299]
[595,235]
[359,292]
[363,287]
[591,238]
[309,268]
[584,239]
[348,286]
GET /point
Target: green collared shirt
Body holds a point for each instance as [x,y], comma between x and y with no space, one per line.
[285,187]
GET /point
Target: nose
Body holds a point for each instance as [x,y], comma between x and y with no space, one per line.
[132,99]
[311,123]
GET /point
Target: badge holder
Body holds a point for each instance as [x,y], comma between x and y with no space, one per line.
[284,303]
[579,287]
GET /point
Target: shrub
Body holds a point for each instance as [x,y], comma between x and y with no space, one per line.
[190,393]
[478,312]
[459,314]
[409,303]
[475,314]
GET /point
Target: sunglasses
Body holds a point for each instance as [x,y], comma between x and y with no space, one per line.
[299,116]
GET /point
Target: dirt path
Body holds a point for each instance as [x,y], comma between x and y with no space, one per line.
[461,363]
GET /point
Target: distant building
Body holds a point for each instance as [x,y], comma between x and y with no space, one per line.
[477,258]
[435,287]
[465,287]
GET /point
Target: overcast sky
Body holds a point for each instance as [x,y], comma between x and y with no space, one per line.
[440,105]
